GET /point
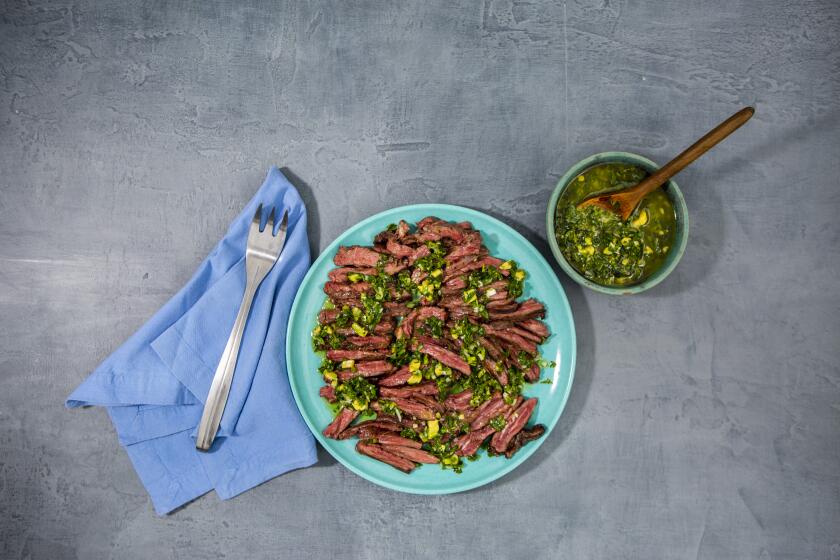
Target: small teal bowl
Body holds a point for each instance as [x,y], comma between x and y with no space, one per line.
[671,189]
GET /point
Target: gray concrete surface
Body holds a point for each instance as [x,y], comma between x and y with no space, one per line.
[705,418]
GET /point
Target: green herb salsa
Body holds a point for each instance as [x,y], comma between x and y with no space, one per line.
[599,244]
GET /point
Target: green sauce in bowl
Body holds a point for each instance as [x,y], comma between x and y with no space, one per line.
[599,244]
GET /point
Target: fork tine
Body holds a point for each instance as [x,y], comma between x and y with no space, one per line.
[255,223]
[269,225]
[283,223]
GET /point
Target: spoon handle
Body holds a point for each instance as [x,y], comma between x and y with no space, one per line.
[706,143]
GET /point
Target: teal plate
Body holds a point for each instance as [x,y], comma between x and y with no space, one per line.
[541,283]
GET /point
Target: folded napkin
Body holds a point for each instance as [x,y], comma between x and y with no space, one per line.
[154,386]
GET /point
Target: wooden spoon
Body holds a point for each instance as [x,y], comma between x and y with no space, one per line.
[625,201]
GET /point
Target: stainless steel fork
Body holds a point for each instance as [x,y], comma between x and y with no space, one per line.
[263,250]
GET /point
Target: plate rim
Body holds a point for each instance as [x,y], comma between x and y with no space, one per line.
[527,451]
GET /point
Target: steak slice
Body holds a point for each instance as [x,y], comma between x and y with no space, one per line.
[340,274]
[340,423]
[356,256]
[428,388]
[368,342]
[427,221]
[393,266]
[536,327]
[497,370]
[468,444]
[394,309]
[341,291]
[327,392]
[341,355]
[533,373]
[444,356]
[368,427]
[523,437]
[515,423]
[379,453]
[396,379]
[326,316]
[492,348]
[418,253]
[394,439]
[459,401]
[509,336]
[477,264]
[366,369]
[528,309]
[440,230]
[412,454]
[526,334]
[397,249]
[454,285]
[456,262]
[470,245]
[384,327]
[421,314]
[413,408]
[428,401]
[502,306]
[495,406]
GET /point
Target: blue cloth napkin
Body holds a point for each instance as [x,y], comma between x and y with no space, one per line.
[154,386]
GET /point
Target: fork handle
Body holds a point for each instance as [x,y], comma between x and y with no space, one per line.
[219,389]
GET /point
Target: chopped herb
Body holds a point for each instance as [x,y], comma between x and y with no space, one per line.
[433,326]
[516,280]
[526,361]
[498,423]
[454,425]
[433,261]
[344,317]
[324,337]
[356,392]
[404,282]
[327,366]
[400,353]
[484,277]
[372,311]
[381,285]
[389,407]
[409,433]
[469,334]
[446,452]
[516,380]
[483,384]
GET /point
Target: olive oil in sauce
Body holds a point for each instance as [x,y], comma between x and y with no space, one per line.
[599,244]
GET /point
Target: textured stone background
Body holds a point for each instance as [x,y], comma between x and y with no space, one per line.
[705,418]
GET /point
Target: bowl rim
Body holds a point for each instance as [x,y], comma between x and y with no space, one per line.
[674,194]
